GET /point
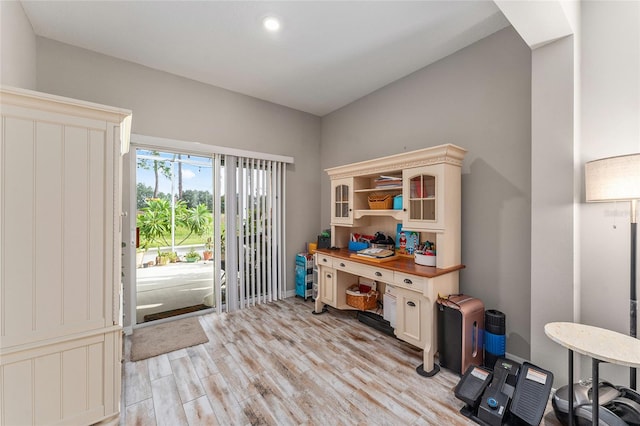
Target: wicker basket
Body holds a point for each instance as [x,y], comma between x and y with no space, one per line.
[362,301]
[380,202]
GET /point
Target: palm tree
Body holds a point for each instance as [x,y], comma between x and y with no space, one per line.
[158,166]
[197,220]
[155,223]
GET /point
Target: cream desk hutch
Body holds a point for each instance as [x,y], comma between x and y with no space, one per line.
[430,185]
[60,256]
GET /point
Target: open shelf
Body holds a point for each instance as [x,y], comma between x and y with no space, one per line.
[396,214]
[397,189]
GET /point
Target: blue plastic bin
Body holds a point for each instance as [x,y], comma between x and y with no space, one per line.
[397,202]
[356,245]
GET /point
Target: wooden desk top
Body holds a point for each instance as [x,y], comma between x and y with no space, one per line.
[602,344]
[402,264]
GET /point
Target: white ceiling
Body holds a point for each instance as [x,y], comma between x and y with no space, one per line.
[326,55]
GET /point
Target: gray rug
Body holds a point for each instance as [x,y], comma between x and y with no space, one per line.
[153,340]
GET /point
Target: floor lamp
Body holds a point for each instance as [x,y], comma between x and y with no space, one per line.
[618,179]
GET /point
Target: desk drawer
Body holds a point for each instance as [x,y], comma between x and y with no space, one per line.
[367,271]
[324,260]
[346,266]
[378,274]
[410,282]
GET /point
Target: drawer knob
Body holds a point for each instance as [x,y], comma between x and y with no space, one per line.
[378,274]
[342,265]
[324,260]
[410,303]
[328,275]
[408,281]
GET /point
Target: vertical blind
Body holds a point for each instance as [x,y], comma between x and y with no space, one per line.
[254,234]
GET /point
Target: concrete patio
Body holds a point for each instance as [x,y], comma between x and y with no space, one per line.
[172,286]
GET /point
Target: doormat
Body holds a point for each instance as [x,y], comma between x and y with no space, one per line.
[147,342]
[174,312]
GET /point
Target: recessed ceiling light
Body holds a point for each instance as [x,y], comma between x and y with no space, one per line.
[271,23]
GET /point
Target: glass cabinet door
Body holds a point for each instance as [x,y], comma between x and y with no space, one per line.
[341,200]
[422,198]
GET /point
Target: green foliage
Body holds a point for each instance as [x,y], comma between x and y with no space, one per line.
[197,219]
[194,197]
[143,193]
[255,222]
[155,222]
[192,254]
[173,256]
[164,257]
[207,237]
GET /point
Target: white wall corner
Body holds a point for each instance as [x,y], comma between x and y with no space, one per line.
[540,22]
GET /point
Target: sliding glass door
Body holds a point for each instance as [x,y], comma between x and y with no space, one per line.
[208,229]
[174,226]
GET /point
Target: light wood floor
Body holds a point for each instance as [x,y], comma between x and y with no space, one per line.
[277,364]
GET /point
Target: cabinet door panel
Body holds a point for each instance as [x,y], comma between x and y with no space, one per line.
[328,286]
[48,381]
[423,196]
[18,148]
[342,201]
[48,217]
[56,271]
[410,317]
[75,224]
[99,220]
[17,393]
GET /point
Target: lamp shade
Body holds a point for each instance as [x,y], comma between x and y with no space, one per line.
[613,178]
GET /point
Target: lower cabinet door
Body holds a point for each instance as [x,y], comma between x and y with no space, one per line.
[69,381]
[328,286]
[410,317]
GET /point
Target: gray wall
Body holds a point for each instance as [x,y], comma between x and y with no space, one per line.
[552,212]
[609,125]
[18,46]
[168,106]
[480,99]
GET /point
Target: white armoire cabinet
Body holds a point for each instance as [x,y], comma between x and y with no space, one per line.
[60,256]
